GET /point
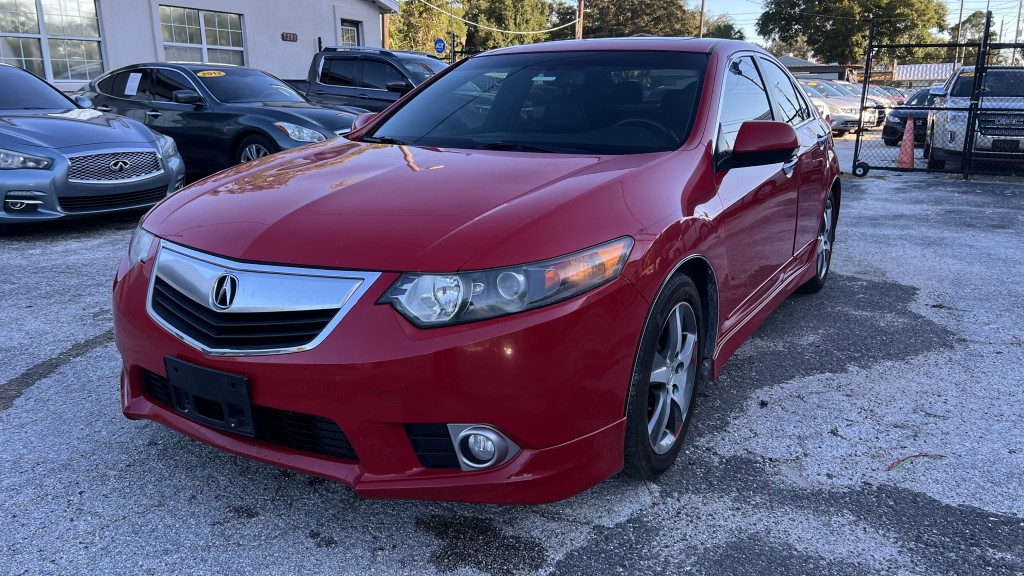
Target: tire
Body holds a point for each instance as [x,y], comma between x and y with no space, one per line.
[889,142]
[839,133]
[254,147]
[861,169]
[671,349]
[823,251]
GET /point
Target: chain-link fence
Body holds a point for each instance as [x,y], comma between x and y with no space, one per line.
[955,108]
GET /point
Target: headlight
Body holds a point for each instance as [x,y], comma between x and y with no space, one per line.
[957,117]
[11,160]
[429,300]
[893,119]
[139,247]
[299,133]
[168,149]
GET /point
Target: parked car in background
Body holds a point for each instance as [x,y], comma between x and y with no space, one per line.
[894,94]
[60,159]
[370,78]
[844,111]
[896,120]
[999,132]
[219,115]
[498,303]
[881,105]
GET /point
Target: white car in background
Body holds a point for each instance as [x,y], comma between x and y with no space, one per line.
[844,111]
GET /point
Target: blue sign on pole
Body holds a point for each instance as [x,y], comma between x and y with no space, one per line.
[439,46]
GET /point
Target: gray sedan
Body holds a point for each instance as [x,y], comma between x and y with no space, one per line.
[58,158]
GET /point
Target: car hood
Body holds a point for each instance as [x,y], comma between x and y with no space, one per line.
[332,119]
[70,128]
[349,205]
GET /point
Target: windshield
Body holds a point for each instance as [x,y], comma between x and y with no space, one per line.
[827,89]
[849,89]
[999,82]
[811,90]
[922,97]
[246,85]
[23,91]
[625,102]
[422,68]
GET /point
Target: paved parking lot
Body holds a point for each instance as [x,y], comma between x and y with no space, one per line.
[914,349]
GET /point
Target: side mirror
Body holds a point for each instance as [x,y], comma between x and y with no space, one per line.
[937,91]
[759,143]
[186,97]
[83,101]
[399,86]
[362,120]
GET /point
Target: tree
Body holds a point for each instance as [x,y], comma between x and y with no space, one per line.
[797,48]
[629,17]
[722,26]
[837,30]
[417,26]
[563,12]
[511,15]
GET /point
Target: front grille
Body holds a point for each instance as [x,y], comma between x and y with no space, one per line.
[112,201]
[1001,124]
[294,430]
[104,167]
[433,445]
[237,331]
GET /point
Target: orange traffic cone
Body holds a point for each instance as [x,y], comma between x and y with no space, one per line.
[906,157]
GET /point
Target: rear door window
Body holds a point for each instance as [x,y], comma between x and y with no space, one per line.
[791,106]
[131,85]
[339,71]
[166,82]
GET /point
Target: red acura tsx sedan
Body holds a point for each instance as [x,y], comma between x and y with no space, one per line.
[504,288]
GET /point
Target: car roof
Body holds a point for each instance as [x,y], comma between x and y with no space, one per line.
[678,44]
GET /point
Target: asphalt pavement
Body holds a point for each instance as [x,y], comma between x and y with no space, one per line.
[872,428]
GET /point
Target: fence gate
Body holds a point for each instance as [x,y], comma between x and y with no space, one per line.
[965,114]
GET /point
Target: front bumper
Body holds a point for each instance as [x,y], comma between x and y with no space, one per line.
[53,196]
[553,380]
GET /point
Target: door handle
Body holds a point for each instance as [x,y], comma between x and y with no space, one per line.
[154,114]
[319,92]
[104,108]
[790,166]
[362,96]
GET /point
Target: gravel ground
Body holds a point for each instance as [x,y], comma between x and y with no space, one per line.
[914,348]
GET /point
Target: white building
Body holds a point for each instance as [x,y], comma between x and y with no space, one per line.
[70,42]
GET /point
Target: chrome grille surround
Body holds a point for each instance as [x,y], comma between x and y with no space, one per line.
[262,289]
[97,167]
[995,124]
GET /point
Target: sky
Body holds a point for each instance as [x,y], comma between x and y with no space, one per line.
[745,13]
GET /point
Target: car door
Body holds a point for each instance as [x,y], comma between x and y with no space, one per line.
[338,81]
[124,93]
[194,128]
[759,202]
[792,107]
[376,74]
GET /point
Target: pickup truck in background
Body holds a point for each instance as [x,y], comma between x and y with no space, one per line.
[365,77]
[1000,131]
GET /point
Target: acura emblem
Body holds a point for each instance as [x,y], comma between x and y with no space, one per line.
[224,290]
[119,165]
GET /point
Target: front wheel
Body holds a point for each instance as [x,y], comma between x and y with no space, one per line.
[665,379]
[823,252]
[254,147]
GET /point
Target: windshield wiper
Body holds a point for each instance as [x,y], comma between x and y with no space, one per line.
[383,140]
[523,148]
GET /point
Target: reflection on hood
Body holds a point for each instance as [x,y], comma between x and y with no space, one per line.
[78,114]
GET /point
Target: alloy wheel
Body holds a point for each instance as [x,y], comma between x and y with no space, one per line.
[825,240]
[673,377]
[252,152]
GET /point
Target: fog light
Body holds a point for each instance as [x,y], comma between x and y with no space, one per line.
[481,447]
[21,201]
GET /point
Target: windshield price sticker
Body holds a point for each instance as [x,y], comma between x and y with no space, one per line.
[209,73]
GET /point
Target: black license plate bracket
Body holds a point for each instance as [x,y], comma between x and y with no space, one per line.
[217,399]
[1006,145]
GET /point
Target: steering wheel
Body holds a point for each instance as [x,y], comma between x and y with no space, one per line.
[648,123]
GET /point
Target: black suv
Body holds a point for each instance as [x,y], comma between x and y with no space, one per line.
[370,78]
[219,115]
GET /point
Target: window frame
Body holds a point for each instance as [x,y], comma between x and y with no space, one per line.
[800,95]
[43,36]
[717,136]
[204,45]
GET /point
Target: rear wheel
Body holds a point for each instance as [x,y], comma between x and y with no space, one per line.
[665,381]
[823,252]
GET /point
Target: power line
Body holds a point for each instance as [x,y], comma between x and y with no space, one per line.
[491,28]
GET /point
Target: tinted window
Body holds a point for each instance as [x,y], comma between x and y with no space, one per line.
[999,82]
[377,74]
[339,72]
[744,99]
[166,82]
[622,102]
[422,68]
[791,106]
[133,85]
[23,91]
[106,85]
[246,85]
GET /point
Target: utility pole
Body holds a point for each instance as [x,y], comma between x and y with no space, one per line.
[700,28]
[579,21]
[1016,39]
[959,30]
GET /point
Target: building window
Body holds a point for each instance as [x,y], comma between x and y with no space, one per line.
[191,35]
[349,33]
[53,39]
